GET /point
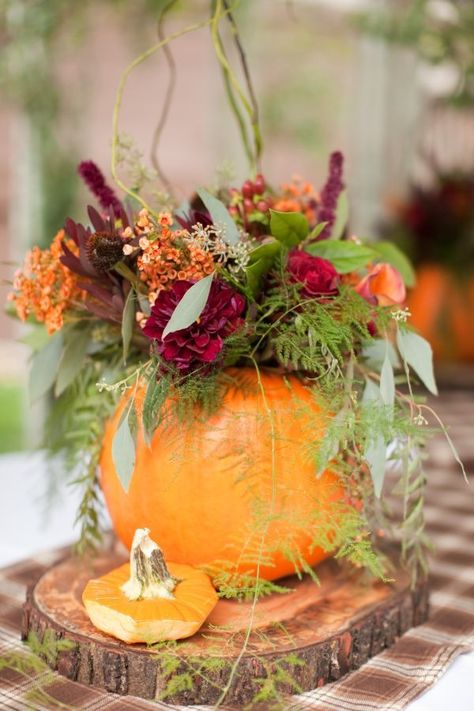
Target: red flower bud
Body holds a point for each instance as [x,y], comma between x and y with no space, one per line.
[248,189]
[259,184]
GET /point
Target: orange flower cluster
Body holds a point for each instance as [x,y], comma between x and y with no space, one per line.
[44,287]
[297,196]
[163,260]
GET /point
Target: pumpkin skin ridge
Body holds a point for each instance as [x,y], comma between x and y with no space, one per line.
[191,506]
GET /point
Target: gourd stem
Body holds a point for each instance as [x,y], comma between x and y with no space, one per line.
[149,574]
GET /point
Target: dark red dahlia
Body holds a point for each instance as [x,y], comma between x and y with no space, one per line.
[318,276]
[201,343]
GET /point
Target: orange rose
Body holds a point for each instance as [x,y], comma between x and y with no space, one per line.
[383,286]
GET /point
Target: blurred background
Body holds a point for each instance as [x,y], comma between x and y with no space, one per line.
[389,82]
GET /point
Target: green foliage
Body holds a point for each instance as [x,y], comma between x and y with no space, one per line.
[74,429]
[315,336]
[220,215]
[242,586]
[190,307]
[72,358]
[289,228]
[12,429]
[272,684]
[346,256]
[123,447]
[157,391]
[44,367]
[417,353]
[261,260]
[128,322]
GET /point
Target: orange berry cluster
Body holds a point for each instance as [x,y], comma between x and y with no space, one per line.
[165,256]
[44,287]
[297,196]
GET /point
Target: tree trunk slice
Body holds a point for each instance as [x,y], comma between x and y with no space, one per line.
[315,633]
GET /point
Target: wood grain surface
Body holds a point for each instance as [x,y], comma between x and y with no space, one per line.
[332,628]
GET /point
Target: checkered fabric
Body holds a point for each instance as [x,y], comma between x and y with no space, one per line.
[389,681]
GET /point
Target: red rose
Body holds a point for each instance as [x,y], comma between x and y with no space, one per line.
[318,276]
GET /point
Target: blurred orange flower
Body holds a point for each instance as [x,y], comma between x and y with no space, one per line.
[383,286]
[44,287]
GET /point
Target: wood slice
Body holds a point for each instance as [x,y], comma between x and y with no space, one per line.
[329,629]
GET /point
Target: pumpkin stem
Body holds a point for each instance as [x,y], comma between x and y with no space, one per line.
[149,574]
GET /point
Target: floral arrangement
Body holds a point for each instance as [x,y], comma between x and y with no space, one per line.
[238,375]
[173,302]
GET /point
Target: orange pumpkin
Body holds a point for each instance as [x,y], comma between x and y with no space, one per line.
[237,491]
[148,600]
[442,308]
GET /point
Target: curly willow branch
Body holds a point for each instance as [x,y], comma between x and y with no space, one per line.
[167,100]
[255,118]
[235,106]
[118,101]
[232,85]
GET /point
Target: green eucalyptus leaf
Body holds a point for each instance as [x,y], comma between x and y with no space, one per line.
[36,338]
[371,392]
[344,255]
[220,215]
[128,322]
[144,304]
[123,450]
[342,216]
[391,254]
[190,307]
[387,382]
[44,367]
[289,228]
[376,457]
[72,359]
[374,352]
[417,353]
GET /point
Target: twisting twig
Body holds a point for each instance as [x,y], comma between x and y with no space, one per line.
[255,118]
[167,100]
[233,84]
[228,85]
[118,101]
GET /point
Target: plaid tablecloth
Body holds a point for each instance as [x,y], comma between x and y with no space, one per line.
[389,681]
